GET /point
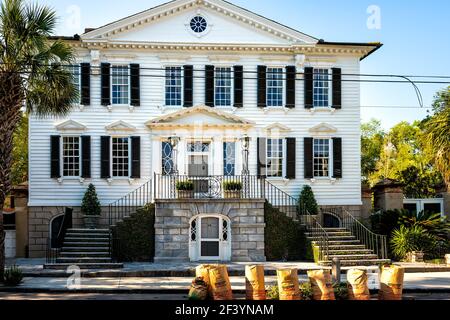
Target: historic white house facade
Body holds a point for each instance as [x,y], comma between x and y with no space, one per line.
[201,91]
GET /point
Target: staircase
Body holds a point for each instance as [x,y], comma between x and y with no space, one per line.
[344,246]
[85,248]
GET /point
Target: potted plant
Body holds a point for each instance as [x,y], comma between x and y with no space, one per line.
[232,189]
[90,208]
[185,189]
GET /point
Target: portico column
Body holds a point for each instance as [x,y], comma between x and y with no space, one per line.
[156,166]
[217,161]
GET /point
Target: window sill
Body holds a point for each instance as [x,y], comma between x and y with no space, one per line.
[112,106]
[322,109]
[281,108]
[323,179]
[120,179]
[278,179]
[62,179]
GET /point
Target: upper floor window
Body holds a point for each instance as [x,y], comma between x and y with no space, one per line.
[321,157]
[120,157]
[75,70]
[120,85]
[71,156]
[167,158]
[229,158]
[275,158]
[322,87]
[275,87]
[198,24]
[173,86]
[223,86]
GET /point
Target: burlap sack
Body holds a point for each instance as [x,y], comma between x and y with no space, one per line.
[220,283]
[203,272]
[288,284]
[199,289]
[391,283]
[357,285]
[321,284]
[255,288]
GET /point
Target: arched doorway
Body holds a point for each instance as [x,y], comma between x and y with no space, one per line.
[55,226]
[331,221]
[210,238]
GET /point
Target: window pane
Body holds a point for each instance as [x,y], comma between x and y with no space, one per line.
[173,86]
[274,158]
[120,87]
[275,87]
[321,88]
[71,156]
[167,159]
[120,157]
[321,157]
[229,158]
[223,87]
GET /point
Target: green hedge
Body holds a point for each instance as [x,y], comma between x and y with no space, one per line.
[136,236]
[284,238]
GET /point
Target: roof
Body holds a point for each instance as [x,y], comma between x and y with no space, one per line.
[375,45]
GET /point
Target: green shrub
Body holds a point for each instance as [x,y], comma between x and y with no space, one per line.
[340,290]
[13,276]
[136,236]
[232,186]
[185,185]
[306,292]
[405,240]
[284,238]
[307,201]
[90,205]
[273,293]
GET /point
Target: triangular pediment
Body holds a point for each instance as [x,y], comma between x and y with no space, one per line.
[120,126]
[70,125]
[323,128]
[277,127]
[170,23]
[200,115]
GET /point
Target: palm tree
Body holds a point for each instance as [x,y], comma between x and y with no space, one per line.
[32,79]
[437,134]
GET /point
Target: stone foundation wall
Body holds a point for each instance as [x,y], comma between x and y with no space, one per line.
[39,219]
[172,227]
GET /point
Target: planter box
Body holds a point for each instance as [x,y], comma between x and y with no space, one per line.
[232,194]
[185,194]
[91,222]
[415,256]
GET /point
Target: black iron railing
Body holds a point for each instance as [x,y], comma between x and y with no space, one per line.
[127,205]
[319,237]
[376,242]
[208,187]
[281,200]
[52,253]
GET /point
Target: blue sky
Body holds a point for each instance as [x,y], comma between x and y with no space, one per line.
[415,34]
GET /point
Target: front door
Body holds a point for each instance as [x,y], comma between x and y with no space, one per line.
[198,159]
[209,238]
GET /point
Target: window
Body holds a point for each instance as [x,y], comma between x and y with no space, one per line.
[322,86]
[321,157]
[167,159]
[120,157]
[229,158]
[173,86]
[120,85]
[274,158]
[198,24]
[71,156]
[275,87]
[223,87]
[75,70]
[198,146]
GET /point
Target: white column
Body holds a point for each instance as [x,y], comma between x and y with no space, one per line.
[182,165]
[156,165]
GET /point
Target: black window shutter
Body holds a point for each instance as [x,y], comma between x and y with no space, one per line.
[309,82]
[238,86]
[290,86]
[55,153]
[209,86]
[337,158]
[308,158]
[262,86]
[290,158]
[188,86]
[262,157]
[86,157]
[135,83]
[337,88]
[106,83]
[85,84]
[136,157]
[105,152]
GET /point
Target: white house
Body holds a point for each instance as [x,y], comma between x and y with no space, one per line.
[179,89]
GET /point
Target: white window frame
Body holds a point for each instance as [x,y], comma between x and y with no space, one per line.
[111,170]
[330,159]
[61,143]
[182,85]
[420,203]
[75,69]
[283,163]
[283,81]
[127,67]
[330,87]
[231,85]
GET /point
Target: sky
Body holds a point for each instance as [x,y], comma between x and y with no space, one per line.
[415,34]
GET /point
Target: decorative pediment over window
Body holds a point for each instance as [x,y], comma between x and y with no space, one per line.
[323,128]
[200,115]
[277,128]
[120,126]
[70,125]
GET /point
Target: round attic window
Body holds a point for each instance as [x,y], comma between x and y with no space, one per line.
[198,24]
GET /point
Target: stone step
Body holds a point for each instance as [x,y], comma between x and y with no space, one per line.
[64,266]
[349,251]
[335,229]
[350,263]
[74,230]
[86,235]
[353,256]
[77,260]
[85,239]
[84,254]
[346,247]
[341,242]
[336,238]
[339,233]
[85,249]
[78,244]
